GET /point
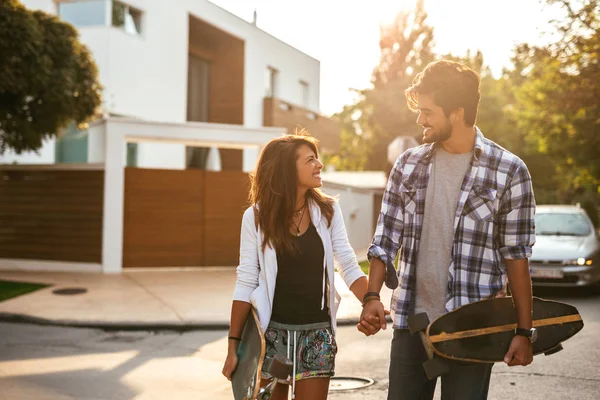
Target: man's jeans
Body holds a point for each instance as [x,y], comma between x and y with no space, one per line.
[466,381]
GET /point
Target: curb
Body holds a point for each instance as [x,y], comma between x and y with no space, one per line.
[133,326]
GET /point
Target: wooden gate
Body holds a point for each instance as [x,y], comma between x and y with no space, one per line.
[175,218]
[52,215]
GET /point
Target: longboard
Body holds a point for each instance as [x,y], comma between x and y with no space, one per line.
[482,331]
[245,380]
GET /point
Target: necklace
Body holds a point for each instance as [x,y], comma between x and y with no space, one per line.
[297,212]
[299,222]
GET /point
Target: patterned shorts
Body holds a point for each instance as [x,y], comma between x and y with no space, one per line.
[315,348]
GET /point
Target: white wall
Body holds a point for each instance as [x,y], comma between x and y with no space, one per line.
[97,144]
[45,155]
[161,155]
[43,5]
[148,74]
[250,158]
[357,207]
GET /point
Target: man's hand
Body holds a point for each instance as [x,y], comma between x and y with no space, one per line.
[372,318]
[520,352]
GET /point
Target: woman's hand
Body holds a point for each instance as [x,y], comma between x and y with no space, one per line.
[230,364]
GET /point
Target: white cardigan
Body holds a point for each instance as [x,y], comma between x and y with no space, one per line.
[257,285]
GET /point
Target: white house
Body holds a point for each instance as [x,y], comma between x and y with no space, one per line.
[360,194]
[183,61]
[189,89]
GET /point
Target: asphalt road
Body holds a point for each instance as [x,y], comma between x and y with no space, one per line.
[62,363]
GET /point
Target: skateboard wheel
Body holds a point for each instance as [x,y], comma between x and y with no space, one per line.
[417,322]
[554,350]
[435,367]
[281,367]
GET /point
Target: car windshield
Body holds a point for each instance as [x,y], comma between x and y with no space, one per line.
[568,224]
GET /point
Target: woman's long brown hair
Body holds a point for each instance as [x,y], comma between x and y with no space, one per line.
[274,187]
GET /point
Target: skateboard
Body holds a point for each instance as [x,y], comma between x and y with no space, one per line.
[245,380]
[482,331]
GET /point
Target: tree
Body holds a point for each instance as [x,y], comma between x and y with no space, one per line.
[47,78]
[556,102]
[380,114]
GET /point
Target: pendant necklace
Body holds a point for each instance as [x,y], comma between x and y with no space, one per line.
[299,222]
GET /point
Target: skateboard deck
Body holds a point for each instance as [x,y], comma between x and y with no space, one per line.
[482,331]
[251,354]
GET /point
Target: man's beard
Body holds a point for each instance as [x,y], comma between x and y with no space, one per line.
[440,136]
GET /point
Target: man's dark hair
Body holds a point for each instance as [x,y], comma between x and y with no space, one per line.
[451,85]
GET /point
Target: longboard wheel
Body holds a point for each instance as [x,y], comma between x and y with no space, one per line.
[435,367]
[281,367]
[417,322]
[554,350]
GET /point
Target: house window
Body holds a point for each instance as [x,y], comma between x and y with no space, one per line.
[127,18]
[198,96]
[83,13]
[132,155]
[305,93]
[271,82]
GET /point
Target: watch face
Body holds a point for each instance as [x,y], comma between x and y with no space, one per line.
[534,335]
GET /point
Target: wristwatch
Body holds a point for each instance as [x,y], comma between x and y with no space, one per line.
[532,333]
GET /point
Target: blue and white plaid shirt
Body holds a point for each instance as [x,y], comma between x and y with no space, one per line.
[494,222]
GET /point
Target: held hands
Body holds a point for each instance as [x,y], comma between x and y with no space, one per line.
[372,318]
[520,352]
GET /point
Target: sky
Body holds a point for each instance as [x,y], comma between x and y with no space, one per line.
[344,34]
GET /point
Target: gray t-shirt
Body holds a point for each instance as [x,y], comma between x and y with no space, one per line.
[447,174]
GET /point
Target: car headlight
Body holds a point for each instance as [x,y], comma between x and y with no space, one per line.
[581,261]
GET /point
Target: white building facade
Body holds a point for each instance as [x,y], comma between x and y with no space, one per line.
[175,62]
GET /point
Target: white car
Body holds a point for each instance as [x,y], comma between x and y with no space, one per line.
[567,248]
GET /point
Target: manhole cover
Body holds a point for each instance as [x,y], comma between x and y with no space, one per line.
[338,383]
[69,291]
[122,339]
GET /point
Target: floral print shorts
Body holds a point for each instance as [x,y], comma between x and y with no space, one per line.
[315,348]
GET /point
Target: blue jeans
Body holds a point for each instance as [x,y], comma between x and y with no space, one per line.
[466,381]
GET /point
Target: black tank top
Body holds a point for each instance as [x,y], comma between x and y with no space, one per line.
[299,287]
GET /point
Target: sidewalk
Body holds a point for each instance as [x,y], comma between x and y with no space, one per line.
[179,299]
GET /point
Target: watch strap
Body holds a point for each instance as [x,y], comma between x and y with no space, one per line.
[523,332]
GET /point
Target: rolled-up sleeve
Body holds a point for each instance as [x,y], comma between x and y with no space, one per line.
[248,269]
[516,216]
[390,224]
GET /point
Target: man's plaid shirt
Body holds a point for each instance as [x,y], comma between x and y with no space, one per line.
[494,222]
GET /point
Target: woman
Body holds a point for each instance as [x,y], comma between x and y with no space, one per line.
[288,243]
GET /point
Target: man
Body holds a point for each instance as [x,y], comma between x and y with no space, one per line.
[460,209]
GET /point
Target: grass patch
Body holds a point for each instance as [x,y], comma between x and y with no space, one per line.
[10,289]
[364,265]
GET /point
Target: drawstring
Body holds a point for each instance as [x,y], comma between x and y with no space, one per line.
[294,362]
[294,379]
[323,298]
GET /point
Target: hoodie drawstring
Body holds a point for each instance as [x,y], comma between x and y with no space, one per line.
[294,360]
[324,284]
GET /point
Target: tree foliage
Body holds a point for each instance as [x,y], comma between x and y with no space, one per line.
[556,107]
[544,108]
[47,78]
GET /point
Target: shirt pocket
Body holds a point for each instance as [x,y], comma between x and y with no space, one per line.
[481,204]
